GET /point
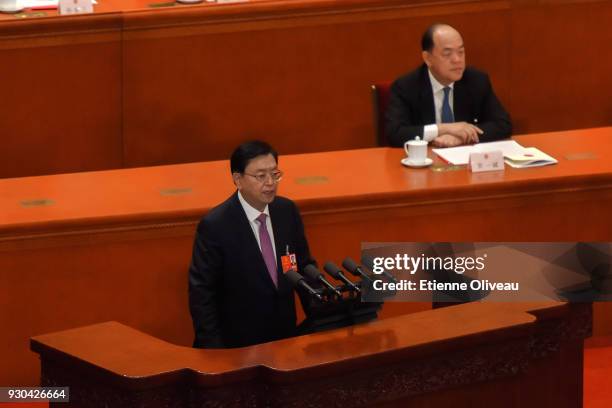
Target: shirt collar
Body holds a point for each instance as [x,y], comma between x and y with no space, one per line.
[435,85]
[251,212]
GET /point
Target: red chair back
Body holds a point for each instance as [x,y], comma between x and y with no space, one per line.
[380,101]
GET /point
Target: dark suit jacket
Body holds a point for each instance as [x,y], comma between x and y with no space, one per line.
[411,106]
[232,299]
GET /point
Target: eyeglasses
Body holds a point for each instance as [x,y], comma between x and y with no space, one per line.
[276,176]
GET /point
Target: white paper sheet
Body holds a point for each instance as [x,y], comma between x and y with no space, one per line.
[41,3]
[461,154]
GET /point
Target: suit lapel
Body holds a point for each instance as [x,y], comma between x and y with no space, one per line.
[461,107]
[281,241]
[428,112]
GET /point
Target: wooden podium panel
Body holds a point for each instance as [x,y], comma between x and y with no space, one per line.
[478,354]
[79,249]
[188,83]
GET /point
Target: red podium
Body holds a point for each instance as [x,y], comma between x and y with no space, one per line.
[477,354]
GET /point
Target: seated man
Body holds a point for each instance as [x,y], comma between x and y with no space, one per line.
[444,102]
[238,293]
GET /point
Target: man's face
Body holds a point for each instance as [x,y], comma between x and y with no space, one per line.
[446,61]
[258,193]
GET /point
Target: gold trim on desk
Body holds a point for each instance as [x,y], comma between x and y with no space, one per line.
[41,202]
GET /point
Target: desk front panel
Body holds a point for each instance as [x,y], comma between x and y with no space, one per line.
[61,96]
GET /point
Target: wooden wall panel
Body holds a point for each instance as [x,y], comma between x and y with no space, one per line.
[194,93]
[61,102]
[560,68]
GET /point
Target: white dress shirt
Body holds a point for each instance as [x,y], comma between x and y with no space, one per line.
[252,214]
[430,132]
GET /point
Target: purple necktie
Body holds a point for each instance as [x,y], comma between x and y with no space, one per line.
[266,247]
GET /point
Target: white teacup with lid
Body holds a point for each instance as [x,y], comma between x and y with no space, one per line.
[10,6]
[416,150]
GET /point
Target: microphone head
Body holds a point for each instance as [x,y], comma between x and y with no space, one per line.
[294,277]
[312,272]
[350,266]
[368,262]
[332,269]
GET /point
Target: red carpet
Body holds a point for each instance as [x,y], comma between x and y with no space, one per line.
[598,373]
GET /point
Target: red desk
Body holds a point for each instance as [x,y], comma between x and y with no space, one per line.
[116,245]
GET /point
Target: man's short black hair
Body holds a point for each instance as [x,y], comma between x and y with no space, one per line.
[427,42]
[248,151]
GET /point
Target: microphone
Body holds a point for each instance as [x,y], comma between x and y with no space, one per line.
[334,271]
[369,262]
[313,273]
[355,269]
[298,280]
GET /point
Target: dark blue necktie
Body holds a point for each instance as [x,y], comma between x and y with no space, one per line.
[447,113]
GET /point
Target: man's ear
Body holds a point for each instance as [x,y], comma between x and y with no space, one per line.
[426,58]
[237,179]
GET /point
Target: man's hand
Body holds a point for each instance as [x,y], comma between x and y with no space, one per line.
[446,141]
[466,132]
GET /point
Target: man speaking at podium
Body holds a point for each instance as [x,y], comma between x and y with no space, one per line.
[444,102]
[238,293]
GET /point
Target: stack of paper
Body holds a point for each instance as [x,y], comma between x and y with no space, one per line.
[461,154]
[37,3]
[531,157]
[515,155]
[41,3]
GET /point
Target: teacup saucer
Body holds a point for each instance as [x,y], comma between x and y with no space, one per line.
[409,163]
